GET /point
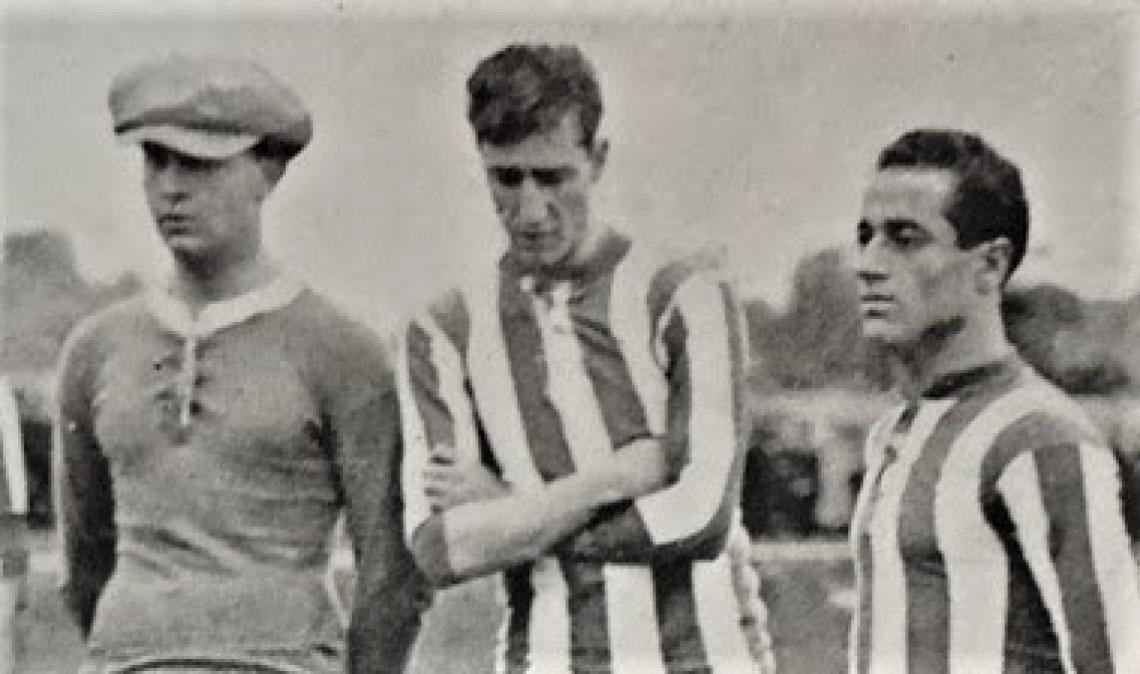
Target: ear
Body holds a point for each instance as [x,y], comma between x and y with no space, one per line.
[598,154]
[993,264]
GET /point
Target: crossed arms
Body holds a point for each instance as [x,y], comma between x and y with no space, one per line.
[665,496]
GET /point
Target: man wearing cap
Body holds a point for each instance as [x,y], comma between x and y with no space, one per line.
[211,432]
[573,414]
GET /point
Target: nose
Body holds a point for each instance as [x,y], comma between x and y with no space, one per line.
[167,181]
[869,267]
[532,203]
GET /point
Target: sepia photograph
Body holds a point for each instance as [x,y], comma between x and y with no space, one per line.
[735,336]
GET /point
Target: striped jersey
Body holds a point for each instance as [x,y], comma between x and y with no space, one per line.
[989,536]
[13,479]
[536,379]
[13,487]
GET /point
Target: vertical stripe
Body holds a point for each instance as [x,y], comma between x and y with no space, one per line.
[548,638]
[529,357]
[493,386]
[635,642]
[927,589]
[589,625]
[682,643]
[632,327]
[889,602]
[691,503]
[720,615]
[1116,572]
[513,651]
[1071,547]
[977,569]
[568,387]
[859,641]
[1020,484]
[13,476]
[607,362]
[435,411]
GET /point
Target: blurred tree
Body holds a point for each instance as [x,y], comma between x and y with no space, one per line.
[42,295]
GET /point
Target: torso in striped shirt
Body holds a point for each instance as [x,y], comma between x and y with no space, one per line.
[537,381]
[989,538]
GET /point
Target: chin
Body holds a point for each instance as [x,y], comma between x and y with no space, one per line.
[885,333]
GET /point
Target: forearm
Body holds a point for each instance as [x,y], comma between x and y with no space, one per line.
[478,538]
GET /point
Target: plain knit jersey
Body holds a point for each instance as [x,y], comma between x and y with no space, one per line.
[204,464]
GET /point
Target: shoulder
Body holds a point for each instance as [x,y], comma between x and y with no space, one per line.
[94,332]
[340,344]
[1039,418]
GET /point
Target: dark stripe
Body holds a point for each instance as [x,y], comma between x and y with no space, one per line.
[680,404]
[1061,478]
[1029,636]
[663,286]
[439,426]
[450,314]
[589,621]
[927,591]
[682,644]
[866,606]
[520,602]
[523,337]
[736,356]
[622,409]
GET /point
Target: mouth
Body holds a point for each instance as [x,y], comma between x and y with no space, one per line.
[875,305]
[173,224]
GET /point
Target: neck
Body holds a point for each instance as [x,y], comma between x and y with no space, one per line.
[217,280]
[952,346]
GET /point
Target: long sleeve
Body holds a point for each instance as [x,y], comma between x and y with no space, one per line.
[1065,501]
[702,337]
[389,592]
[84,498]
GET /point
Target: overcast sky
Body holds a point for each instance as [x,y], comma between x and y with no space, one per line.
[751,129]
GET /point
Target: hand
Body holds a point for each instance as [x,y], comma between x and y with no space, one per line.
[639,467]
[450,481]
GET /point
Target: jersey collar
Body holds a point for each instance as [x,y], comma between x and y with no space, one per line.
[175,315]
[964,382]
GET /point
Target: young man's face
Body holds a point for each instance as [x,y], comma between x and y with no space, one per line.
[541,189]
[205,209]
[913,278]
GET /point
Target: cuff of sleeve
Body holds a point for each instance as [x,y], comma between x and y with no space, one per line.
[14,563]
[429,544]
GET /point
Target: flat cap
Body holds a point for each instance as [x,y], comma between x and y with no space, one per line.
[207,106]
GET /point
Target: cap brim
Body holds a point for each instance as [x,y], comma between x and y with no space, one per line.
[193,142]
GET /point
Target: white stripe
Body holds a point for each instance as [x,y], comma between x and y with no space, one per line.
[976,564]
[691,503]
[493,385]
[719,616]
[1019,484]
[568,386]
[549,637]
[12,444]
[860,519]
[635,641]
[497,401]
[417,453]
[888,579]
[1112,559]
[630,323]
[977,567]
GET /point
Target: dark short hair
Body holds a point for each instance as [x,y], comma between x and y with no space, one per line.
[524,89]
[988,201]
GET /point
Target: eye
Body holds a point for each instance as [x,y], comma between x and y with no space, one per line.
[863,234]
[550,177]
[906,234]
[507,176]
